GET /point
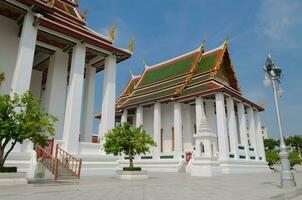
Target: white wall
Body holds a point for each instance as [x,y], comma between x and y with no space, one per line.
[148,120]
[167,124]
[36,83]
[188,127]
[9,43]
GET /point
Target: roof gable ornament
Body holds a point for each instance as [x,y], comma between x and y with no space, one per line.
[190,75]
[112,32]
[85,14]
[131,44]
[52,3]
[220,61]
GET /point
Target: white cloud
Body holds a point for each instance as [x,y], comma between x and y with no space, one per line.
[280,22]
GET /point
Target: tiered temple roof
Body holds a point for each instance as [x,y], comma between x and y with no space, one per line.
[196,73]
[60,24]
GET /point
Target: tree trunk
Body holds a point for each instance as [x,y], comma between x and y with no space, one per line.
[3,156]
[130,158]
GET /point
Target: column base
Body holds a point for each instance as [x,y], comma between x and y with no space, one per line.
[204,167]
[287,179]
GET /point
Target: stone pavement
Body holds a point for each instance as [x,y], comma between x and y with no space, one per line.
[174,186]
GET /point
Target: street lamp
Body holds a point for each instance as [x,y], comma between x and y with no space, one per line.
[273,74]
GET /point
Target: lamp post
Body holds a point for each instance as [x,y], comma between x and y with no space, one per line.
[273,74]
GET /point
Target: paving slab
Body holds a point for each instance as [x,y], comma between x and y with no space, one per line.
[160,186]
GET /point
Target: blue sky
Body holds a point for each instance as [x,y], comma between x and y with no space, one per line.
[164,29]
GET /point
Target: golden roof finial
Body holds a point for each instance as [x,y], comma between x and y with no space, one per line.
[2,78]
[52,3]
[227,38]
[85,14]
[131,44]
[112,32]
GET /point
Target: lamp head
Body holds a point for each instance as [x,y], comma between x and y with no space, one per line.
[269,63]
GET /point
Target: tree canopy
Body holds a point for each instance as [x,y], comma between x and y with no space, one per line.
[21,119]
[128,140]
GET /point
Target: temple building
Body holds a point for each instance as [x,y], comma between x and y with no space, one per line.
[192,104]
[47,48]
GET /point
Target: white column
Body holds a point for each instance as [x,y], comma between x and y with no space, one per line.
[108,105]
[74,100]
[124,116]
[36,83]
[232,127]
[221,127]
[54,100]
[252,130]
[198,112]
[25,57]
[139,116]
[177,128]
[243,128]
[210,113]
[157,128]
[88,111]
[259,139]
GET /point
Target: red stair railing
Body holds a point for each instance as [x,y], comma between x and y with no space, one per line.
[68,161]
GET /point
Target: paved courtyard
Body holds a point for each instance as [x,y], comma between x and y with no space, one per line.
[174,186]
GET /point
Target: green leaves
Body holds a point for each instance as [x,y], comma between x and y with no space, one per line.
[21,119]
[128,140]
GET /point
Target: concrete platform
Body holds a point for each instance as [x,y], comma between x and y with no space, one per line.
[18,178]
[132,175]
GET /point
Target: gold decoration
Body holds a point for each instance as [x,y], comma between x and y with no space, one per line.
[112,32]
[52,3]
[131,43]
[85,14]
[192,70]
[2,78]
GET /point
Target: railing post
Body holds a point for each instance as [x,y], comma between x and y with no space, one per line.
[80,165]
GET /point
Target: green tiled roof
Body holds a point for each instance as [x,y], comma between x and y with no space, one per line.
[167,70]
[150,96]
[206,63]
[162,81]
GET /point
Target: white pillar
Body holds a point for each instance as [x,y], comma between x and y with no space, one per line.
[221,127]
[25,57]
[198,112]
[54,100]
[177,128]
[74,100]
[36,83]
[232,127]
[124,116]
[243,129]
[252,130]
[259,139]
[157,128]
[88,111]
[108,105]
[139,116]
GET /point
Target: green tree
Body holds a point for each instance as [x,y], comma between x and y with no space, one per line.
[272,157]
[294,158]
[295,142]
[128,140]
[271,144]
[21,119]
